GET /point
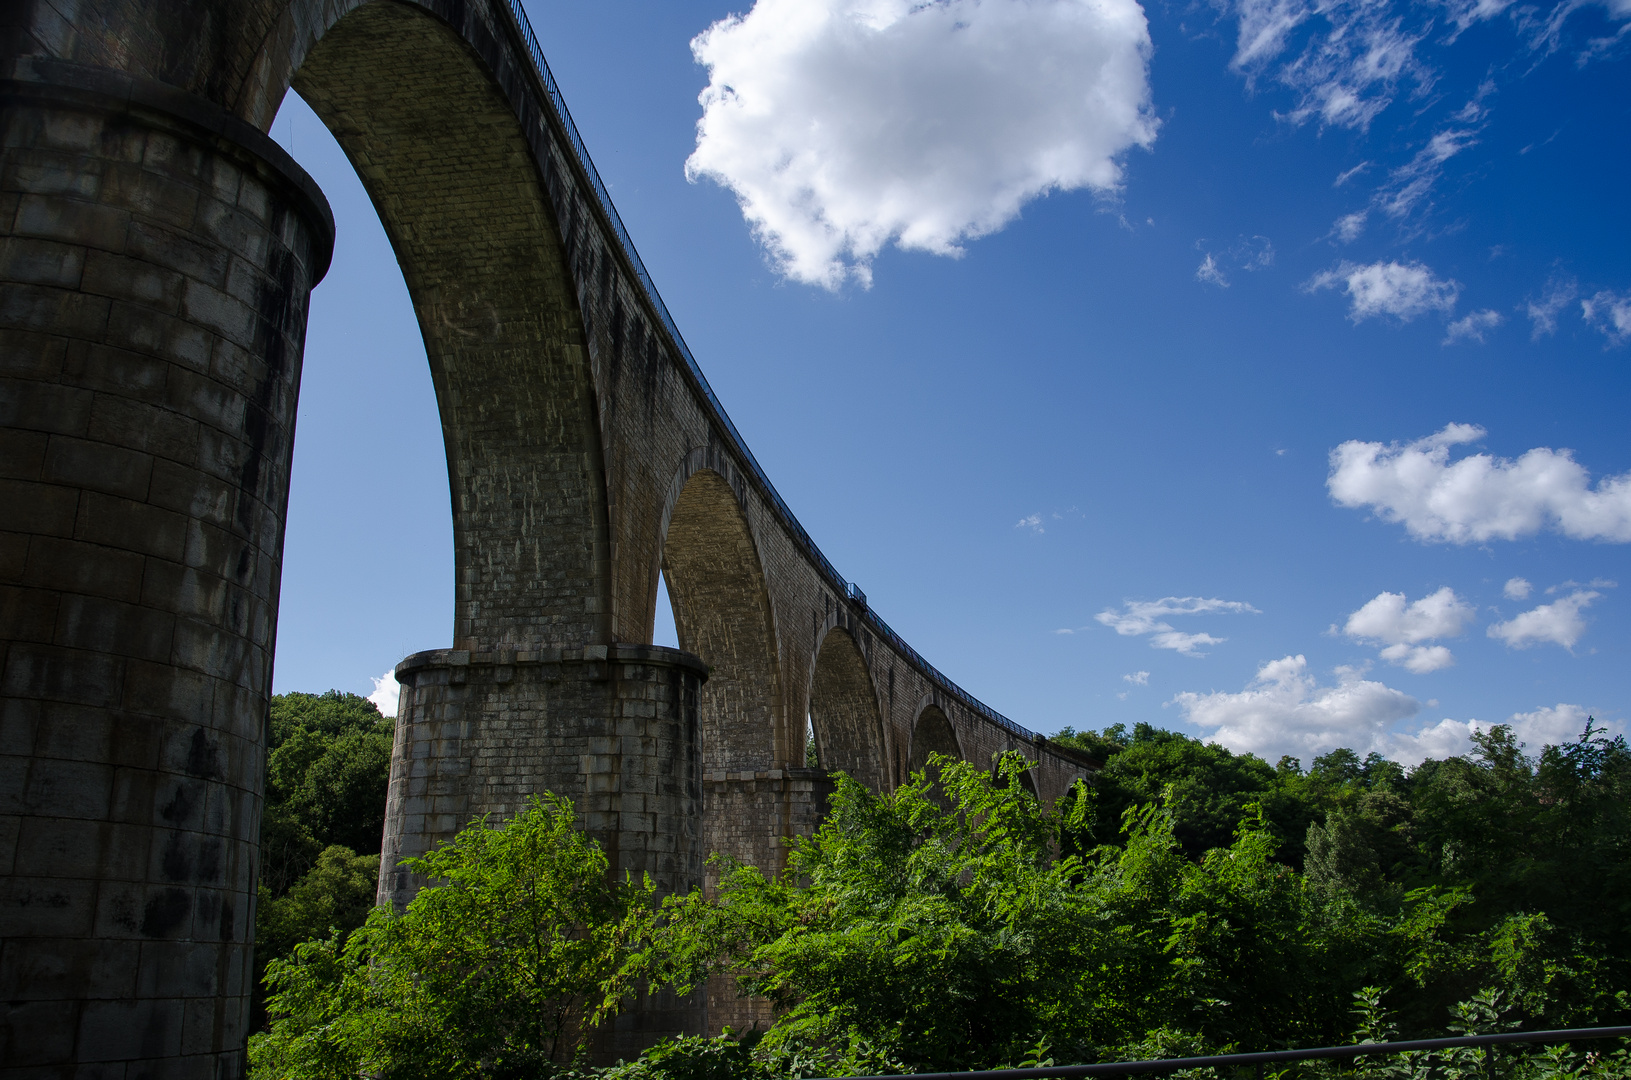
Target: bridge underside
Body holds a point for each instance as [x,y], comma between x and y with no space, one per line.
[157,251]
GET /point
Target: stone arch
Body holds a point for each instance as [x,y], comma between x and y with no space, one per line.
[932,733]
[722,612]
[845,716]
[438,145]
[1027,779]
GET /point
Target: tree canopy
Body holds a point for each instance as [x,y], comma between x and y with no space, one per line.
[1191,901]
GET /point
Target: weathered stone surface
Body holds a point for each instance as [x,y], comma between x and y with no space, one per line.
[156,253]
[132,775]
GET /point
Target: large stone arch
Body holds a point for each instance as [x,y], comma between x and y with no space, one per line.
[845,715]
[723,614]
[443,156]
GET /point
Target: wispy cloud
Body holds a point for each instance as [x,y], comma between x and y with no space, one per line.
[1473,326]
[1139,618]
[1348,174]
[1351,63]
[1543,312]
[1247,254]
[1349,227]
[1032,522]
[1410,185]
[1209,273]
[1609,313]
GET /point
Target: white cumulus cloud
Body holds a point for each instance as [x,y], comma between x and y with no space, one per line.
[844,125]
[1147,617]
[1284,710]
[1550,725]
[386,693]
[1559,623]
[1611,314]
[1473,327]
[1517,588]
[1419,659]
[1137,678]
[1402,627]
[1478,497]
[1402,290]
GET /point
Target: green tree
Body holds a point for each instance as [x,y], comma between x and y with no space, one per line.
[328,767]
[907,935]
[1205,787]
[902,933]
[501,968]
[334,896]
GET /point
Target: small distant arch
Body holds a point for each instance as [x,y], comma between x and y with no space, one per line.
[722,613]
[845,718]
[932,733]
[1027,780]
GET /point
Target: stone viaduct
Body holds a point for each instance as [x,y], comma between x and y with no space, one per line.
[157,251]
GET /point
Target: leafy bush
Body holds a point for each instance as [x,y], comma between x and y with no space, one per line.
[502,968]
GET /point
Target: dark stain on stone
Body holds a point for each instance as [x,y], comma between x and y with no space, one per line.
[180,806]
[204,756]
[50,900]
[197,50]
[209,860]
[124,912]
[226,924]
[165,912]
[177,867]
[273,300]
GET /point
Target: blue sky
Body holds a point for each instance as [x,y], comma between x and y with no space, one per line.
[1255,369]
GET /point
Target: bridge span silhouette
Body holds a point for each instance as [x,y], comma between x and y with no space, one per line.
[157,253]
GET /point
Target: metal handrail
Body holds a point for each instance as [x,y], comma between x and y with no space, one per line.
[563,115]
[1270,1057]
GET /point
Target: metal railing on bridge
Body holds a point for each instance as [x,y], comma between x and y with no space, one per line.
[563,115]
[1257,1061]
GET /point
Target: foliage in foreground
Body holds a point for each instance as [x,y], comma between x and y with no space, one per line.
[959,924]
[327,769]
[952,938]
[496,972]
